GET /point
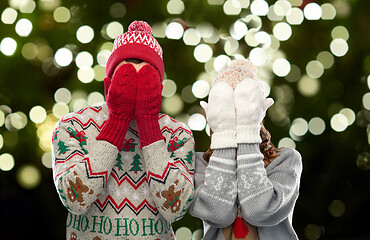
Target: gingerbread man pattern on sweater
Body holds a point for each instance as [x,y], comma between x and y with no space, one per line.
[132,194]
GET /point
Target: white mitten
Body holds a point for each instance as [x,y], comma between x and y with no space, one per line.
[251,106]
[220,112]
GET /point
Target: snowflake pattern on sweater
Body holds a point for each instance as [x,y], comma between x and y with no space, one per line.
[132,194]
[235,184]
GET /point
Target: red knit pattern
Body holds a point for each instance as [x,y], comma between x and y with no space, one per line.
[138,43]
[148,105]
[114,130]
[140,26]
[120,98]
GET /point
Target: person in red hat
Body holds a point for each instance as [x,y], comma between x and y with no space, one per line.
[124,170]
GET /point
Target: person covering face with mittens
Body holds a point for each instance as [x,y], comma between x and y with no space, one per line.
[245,187]
[122,169]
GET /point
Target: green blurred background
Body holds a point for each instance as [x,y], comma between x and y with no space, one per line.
[314,57]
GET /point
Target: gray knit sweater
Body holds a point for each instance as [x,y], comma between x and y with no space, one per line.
[235,177]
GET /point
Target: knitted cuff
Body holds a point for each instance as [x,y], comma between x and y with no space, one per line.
[225,139]
[248,134]
[149,130]
[224,158]
[114,130]
[248,148]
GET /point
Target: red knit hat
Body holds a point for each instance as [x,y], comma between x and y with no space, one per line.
[138,43]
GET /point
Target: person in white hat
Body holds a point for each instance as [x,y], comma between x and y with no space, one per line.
[246,188]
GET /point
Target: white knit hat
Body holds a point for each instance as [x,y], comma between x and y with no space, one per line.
[237,71]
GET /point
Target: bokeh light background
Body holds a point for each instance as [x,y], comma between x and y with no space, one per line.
[313,58]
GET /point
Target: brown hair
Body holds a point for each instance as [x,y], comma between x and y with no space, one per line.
[134,60]
[269,151]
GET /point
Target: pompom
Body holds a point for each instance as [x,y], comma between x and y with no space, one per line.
[140,26]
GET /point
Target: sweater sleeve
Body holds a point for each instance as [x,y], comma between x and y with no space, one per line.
[81,166]
[170,174]
[267,195]
[216,192]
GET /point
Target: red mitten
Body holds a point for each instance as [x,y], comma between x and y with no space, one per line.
[107,82]
[148,105]
[120,97]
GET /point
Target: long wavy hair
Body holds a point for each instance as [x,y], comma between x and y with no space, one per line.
[269,151]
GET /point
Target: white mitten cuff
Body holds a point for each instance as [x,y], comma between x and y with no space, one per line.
[248,134]
[224,139]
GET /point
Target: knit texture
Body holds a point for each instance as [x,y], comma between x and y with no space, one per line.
[251,106]
[138,43]
[148,105]
[120,93]
[266,196]
[220,113]
[236,105]
[114,130]
[237,71]
[130,194]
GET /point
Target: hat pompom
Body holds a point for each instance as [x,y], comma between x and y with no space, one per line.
[140,26]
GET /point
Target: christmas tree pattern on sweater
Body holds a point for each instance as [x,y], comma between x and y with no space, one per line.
[134,197]
[136,164]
